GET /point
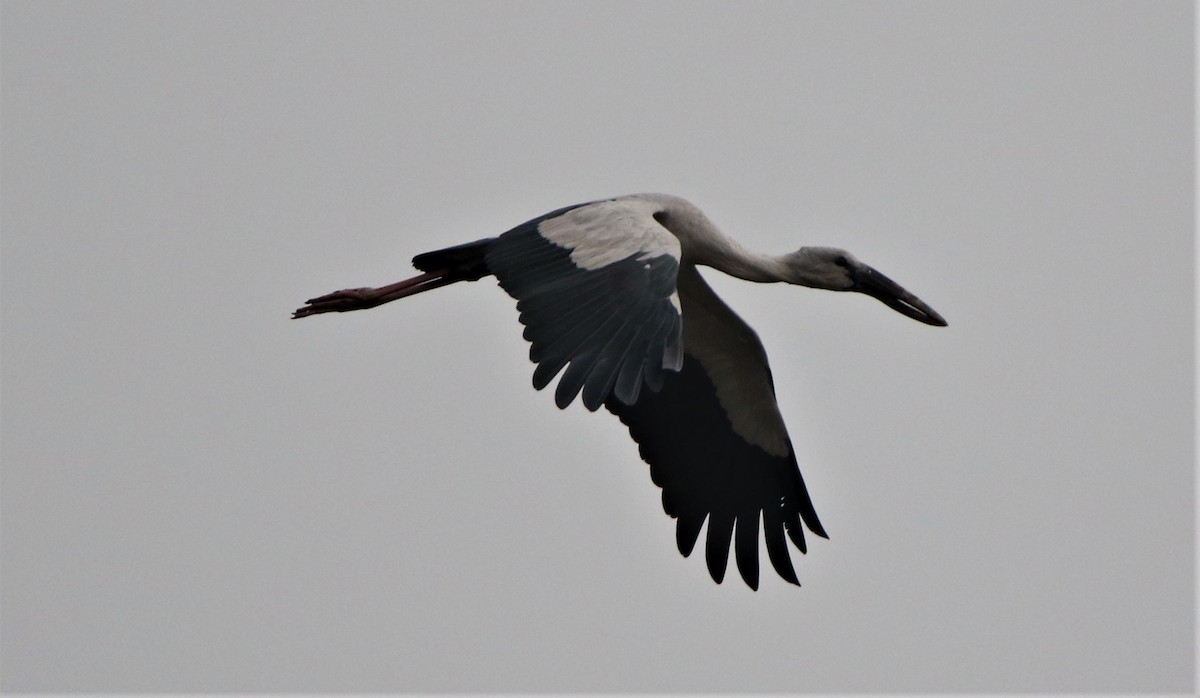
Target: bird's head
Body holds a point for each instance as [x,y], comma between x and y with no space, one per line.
[837,270]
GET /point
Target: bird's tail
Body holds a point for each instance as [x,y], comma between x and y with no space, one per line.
[463,262]
[441,268]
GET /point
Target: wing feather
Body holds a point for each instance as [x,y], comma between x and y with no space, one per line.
[716,548]
[594,285]
[687,532]
[583,359]
[629,381]
[616,355]
[746,548]
[777,546]
[583,338]
[694,435]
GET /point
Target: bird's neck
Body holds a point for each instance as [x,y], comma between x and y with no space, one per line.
[704,245]
[735,260]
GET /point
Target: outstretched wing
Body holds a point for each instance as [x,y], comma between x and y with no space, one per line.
[717,445]
[595,287]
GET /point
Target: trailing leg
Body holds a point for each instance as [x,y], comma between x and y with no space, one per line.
[441,267]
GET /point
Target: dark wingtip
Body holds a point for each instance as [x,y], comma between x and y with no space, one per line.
[796,532]
[745,548]
[687,532]
[777,550]
[716,549]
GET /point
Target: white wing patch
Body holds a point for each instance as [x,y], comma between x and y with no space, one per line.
[605,232]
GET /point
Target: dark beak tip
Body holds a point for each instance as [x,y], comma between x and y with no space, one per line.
[893,295]
[913,307]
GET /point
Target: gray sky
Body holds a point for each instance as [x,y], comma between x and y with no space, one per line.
[199,494]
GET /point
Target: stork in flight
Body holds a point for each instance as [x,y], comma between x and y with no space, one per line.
[609,291]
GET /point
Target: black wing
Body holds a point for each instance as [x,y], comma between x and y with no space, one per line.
[595,286]
[717,446]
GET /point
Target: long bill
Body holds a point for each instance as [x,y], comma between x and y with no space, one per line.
[893,295]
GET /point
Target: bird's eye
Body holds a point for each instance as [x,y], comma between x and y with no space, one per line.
[841,261]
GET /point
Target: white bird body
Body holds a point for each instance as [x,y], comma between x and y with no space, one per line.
[610,296]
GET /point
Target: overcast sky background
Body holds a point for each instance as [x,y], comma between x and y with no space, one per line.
[200,494]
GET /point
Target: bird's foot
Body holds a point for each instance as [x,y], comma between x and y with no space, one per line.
[340,302]
[362,298]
